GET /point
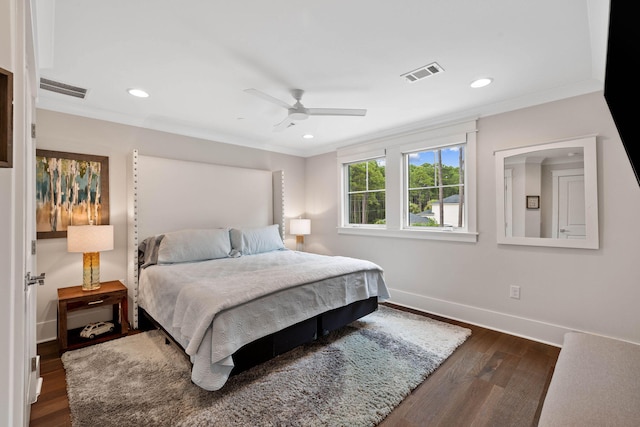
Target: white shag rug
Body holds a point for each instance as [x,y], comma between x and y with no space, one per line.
[352,377]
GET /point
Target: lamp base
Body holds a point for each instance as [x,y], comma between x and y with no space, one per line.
[299,243]
[90,271]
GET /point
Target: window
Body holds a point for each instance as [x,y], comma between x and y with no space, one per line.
[366,192]
[419,184]
[434,196]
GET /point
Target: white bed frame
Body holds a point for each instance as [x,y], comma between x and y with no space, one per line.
[167,195]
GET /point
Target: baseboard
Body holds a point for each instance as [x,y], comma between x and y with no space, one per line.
[46,331]
[531,329]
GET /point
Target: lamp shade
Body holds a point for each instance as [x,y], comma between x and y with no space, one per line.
[300,226]
[89,238]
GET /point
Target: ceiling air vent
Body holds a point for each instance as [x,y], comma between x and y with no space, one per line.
[63,88]
[422,72]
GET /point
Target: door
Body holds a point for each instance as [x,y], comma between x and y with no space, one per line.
[569,211]
[33,381]
[508,203]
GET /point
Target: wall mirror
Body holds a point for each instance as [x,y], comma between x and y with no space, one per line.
[547,195]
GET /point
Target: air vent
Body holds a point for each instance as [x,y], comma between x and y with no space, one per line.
[63,88]
[422,72]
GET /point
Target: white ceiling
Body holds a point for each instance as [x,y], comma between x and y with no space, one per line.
[196,58]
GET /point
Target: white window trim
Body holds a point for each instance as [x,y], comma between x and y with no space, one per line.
[405,188]
[343,163]
[394,147]
[410,233]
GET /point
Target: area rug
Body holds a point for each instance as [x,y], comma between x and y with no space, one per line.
[352,377]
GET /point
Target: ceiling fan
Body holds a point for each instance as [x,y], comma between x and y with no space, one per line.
[298,111]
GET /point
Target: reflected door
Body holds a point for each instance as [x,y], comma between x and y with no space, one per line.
[508,203]
[570,212]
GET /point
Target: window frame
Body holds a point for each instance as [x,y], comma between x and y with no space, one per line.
[393,148]
[347,193]
[405,189]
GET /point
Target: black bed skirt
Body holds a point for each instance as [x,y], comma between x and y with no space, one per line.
[268,347]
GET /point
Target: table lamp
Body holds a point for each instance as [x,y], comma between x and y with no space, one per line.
[300,227]
[90,240]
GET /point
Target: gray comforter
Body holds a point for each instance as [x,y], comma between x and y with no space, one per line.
[213,308]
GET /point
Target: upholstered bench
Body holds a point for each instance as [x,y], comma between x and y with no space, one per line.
[596,382]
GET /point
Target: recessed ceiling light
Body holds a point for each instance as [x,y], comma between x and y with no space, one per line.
[481,82]
[307,136]
[138,92]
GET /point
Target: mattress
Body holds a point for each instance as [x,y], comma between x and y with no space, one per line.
[213,308]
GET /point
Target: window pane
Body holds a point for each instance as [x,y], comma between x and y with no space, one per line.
[367,208]
[422,157]
[365,193]
[451,156]
[451,214]
[435,196]
[376,174]
[420,208]
[357,177]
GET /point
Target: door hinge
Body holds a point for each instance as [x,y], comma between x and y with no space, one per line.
[33,130]
[33,247]
[30,280]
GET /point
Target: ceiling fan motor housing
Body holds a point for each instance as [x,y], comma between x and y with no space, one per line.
[298,113]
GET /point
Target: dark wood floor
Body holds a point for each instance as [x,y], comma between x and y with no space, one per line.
[493,379]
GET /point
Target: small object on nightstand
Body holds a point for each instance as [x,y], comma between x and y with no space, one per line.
[94,329]
[75,298]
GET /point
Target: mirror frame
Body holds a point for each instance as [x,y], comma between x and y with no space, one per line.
[592,241]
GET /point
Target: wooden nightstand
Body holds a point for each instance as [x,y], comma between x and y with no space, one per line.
[74,298]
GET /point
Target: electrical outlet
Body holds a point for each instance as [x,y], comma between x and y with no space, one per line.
[514,292]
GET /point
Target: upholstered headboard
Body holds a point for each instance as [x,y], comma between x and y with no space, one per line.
[168,195]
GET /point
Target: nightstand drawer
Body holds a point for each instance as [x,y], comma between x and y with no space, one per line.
[96,301]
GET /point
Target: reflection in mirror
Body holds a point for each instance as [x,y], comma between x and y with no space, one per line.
[547,195]
[544,194]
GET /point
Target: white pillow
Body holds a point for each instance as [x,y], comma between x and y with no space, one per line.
[194,245]
[256,240]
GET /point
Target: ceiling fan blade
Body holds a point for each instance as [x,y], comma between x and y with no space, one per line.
[269,98]
[287,122]
[336,112]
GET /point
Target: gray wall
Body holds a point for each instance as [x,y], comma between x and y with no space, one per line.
[63,132]
[561,289]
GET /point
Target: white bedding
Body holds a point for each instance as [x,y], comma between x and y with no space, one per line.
[213,308]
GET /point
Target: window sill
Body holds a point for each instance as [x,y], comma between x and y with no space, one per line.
[454,236]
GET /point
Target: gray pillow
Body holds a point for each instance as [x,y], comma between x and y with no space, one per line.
[194,245]
[249,241]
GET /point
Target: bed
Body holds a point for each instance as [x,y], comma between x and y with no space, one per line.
[216,276]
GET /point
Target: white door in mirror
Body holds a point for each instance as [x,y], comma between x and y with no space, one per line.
[571,206]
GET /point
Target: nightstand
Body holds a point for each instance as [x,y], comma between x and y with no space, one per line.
[71,299]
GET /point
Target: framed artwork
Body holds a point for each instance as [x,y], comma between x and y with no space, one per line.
[71,189]
[533,202]
[6,118]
